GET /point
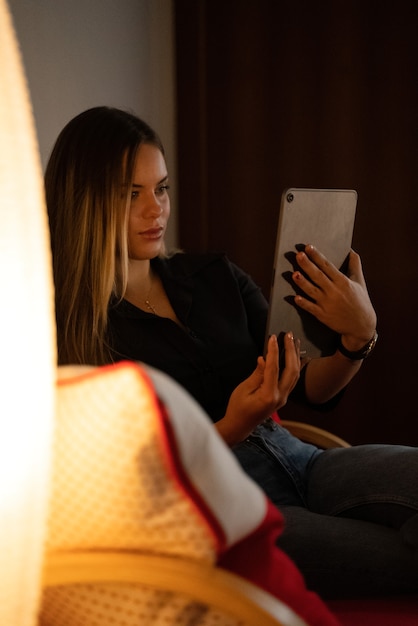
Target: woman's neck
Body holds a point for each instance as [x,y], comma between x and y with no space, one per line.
[145,290]
[139,276]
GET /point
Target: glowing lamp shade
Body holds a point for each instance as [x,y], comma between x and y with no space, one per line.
[27,343]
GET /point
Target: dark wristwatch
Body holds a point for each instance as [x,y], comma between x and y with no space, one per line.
[361,354]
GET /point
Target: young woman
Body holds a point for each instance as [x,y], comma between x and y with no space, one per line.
[351,514]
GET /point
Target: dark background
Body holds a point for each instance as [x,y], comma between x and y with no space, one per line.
[279,93]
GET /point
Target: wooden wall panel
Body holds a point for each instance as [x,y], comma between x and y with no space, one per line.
[278,93]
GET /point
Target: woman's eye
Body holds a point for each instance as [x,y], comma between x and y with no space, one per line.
[134,195]
[162,189]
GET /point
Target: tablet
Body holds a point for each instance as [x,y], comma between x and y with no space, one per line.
[324,218]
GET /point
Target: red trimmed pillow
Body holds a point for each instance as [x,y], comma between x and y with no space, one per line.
[138,465]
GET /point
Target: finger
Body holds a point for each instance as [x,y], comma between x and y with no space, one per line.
[308,287]
[256,378]
[355,269]
[292,361]
[271,371]
[315,264]
[297,350]
[292,347]
[308,306]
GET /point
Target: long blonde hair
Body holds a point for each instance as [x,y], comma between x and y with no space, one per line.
[87,183]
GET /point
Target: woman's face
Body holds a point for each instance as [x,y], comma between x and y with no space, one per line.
[150,204]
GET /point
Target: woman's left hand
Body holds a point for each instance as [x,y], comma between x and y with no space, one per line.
[340,302]
[262,393]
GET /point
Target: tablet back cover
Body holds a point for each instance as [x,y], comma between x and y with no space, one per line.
[324,218]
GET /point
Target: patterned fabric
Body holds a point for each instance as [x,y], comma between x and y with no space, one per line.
[127,605]
[117,484]
[112,482]
[137,465]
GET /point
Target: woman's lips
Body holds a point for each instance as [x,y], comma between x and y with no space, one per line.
[152,233]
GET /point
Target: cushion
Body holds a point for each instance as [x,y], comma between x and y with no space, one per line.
[138,465]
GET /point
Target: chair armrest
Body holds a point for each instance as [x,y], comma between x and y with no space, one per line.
[312,434]
[204,583]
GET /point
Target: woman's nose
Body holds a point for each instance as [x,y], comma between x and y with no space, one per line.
[152,206]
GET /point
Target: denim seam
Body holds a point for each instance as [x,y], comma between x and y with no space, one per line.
[375,499]
[255,440]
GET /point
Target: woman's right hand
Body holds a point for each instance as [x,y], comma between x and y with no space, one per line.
[262,393]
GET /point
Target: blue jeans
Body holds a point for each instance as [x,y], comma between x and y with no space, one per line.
[351,522]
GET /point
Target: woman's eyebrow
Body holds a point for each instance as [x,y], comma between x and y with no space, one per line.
[160,182]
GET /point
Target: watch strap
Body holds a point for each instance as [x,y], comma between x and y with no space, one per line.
[361,354]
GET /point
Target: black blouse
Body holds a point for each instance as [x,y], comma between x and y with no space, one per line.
[224,316]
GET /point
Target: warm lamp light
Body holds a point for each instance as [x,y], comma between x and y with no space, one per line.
[27,365]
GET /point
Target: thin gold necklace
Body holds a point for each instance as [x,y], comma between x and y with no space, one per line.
[148,304]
